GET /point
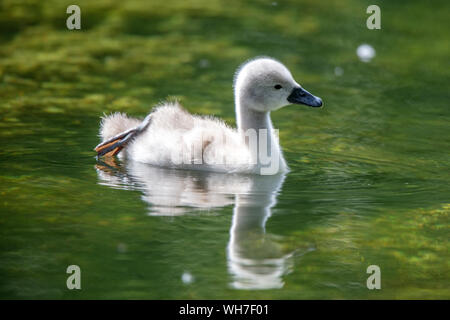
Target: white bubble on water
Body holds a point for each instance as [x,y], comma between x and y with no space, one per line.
[365,52]
[187,278]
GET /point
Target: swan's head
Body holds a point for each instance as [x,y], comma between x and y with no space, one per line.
[265,84]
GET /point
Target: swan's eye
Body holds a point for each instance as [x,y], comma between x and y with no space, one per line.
[278,87]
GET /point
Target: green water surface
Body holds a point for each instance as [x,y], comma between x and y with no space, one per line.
[369,181]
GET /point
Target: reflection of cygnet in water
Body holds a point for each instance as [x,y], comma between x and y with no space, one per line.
[171,192]
[255,261]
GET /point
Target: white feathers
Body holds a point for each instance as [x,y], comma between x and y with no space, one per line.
[116,123]
[178,139]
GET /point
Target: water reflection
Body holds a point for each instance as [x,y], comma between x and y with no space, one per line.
[255,259]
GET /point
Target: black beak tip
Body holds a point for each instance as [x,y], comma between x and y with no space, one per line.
[319,103]
[301,96]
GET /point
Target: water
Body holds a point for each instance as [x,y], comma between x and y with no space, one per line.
[369,180]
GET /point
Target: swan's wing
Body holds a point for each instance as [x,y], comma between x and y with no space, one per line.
[114,145]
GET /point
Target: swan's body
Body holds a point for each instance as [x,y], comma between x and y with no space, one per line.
[171,137]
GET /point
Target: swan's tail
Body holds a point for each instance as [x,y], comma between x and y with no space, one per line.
[117,130]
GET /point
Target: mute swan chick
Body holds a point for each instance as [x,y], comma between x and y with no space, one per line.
[171,137]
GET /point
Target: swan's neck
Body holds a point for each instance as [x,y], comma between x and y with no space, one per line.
[252,123]
[251,119]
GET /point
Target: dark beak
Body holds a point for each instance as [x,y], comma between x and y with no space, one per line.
[301,96]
